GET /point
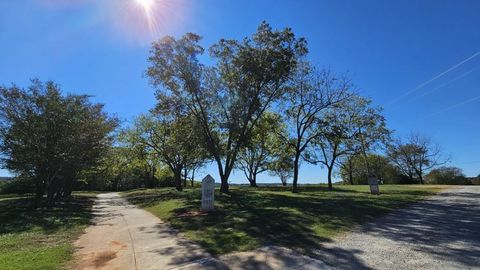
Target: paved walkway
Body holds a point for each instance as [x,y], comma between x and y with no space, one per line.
[440,233]
[126,237]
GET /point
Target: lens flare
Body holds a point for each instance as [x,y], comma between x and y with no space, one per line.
[134,21]
[147,5]
[142,21]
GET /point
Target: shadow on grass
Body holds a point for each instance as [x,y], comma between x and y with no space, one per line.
[249,218]
[20,215]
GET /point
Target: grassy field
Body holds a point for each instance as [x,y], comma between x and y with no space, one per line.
[250,218]
[40,238]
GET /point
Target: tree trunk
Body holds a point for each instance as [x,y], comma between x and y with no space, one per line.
[284,181]
[252,178]
[224,188]
[185,175]
[39,189]
[330,186]
[193,176]
[153,177]
[253,181]
[224,184]
[178,178]
[420,177]
[295,173]
[224,174]
[350,171]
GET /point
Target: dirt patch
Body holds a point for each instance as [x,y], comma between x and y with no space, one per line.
[102,258]
[98,260]
[118,244]
[196,213]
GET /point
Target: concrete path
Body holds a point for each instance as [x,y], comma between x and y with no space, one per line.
[126,237]
[440,233]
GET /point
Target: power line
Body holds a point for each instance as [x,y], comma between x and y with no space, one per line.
[433,79]
[455,106]
[448,108]
[445,84]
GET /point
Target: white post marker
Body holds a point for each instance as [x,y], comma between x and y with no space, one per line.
[373,183]
[208,191]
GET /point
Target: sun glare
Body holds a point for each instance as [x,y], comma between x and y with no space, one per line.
[142,21]
[147,5]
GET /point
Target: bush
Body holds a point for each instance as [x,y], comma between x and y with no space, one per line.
[447,176]
[165,177]
[354,171]
[476,180]
[17,186]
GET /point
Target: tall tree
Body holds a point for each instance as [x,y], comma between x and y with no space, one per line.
[416,156]
[50,137]
[140,155]
[228,98]
[282,163]
[173,141]
[348,129]
[259,152]
[354,172]
[313,93]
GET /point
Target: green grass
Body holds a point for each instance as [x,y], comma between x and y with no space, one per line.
[40,237]
[89,194]
[13,196]
[252,217]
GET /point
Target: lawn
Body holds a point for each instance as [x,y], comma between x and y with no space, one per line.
[40,238]
[252,217]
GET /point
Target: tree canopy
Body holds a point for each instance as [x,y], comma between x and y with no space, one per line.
[416,156]
[175,142]
[229,97]
[51,138]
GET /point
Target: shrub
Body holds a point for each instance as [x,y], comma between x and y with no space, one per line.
[447,176]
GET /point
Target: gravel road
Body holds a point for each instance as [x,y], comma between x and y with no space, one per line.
[442,232]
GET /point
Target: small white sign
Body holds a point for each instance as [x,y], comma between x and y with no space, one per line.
[373,182]
[208,191]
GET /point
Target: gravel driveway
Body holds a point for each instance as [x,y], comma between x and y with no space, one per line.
[440,233]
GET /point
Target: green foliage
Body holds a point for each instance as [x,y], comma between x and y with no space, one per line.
[313,93]
[121,169]
[19,185]
[415,156]
[282,163]
[250,218]
[354,172]
[228,98]
[476,180]
[353,127]
[447,176]
[174,142]
[262,146]
[51,138]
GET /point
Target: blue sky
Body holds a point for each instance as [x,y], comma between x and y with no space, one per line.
[418,59]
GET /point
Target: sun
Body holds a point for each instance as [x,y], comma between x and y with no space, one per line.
[147,5]
[144,20]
